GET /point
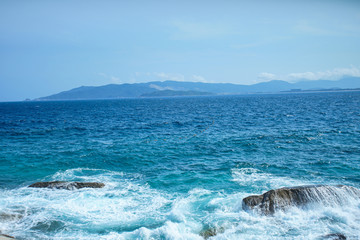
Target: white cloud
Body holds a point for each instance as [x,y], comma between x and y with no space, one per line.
[198,78]
[266,76]
[170,76]
[115,79]
[163,76]
[333,74]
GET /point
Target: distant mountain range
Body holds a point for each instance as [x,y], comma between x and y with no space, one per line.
[174,88]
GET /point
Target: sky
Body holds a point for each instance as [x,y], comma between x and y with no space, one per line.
[52,46]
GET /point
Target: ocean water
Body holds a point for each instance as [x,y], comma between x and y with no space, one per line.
[175,167]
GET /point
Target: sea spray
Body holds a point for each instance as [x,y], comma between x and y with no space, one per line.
[301,196]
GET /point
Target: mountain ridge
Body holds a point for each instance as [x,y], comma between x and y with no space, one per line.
[127,90]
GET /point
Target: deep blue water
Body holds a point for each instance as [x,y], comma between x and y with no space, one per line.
[176,166]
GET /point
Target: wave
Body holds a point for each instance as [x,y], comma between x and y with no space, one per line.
[256,180]
[128,208]
[123,204]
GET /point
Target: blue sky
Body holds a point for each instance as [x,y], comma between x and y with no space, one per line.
[51,46]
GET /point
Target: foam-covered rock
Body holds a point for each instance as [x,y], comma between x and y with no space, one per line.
[5,217]
[67,185]
[283,198]
[209,232]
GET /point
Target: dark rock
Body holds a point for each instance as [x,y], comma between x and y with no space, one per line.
[211,231]
[334,236]
[67,185]
[9,216]
[283,198]
[6,237]
[250,202]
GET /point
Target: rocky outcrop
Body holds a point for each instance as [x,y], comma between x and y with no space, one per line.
[67,185]
[284,198]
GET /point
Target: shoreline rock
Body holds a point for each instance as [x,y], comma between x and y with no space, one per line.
[67,185]
[6,237]
[284,198]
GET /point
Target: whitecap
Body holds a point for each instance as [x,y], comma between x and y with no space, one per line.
[125,203]
[257,180]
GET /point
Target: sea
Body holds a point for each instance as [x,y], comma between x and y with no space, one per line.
[178,168]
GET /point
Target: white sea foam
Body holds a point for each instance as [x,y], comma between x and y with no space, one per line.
[310,223]
[121,205]
[295,224]
[261,181]
[185,219]
[127,208]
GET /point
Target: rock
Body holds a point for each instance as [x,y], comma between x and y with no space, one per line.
[5,217]
[334,236]
[284,198]
[67,185]
[211,231]
[6,237]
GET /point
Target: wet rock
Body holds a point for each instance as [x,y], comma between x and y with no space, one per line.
[67,185]
[6,237]
[334,236]
[284,198]
[211,231]
[5,217]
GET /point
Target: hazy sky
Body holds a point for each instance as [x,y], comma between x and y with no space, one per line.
[51,46]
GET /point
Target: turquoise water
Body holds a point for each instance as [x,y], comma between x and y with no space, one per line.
[174,167]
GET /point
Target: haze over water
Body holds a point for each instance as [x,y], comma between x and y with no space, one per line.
[174,167]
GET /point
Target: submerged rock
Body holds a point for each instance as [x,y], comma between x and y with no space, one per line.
[334,236]
[283,198]
[211,231]
[5,217]
[67,185]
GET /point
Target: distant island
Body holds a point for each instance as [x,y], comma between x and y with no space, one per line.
[178,89]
